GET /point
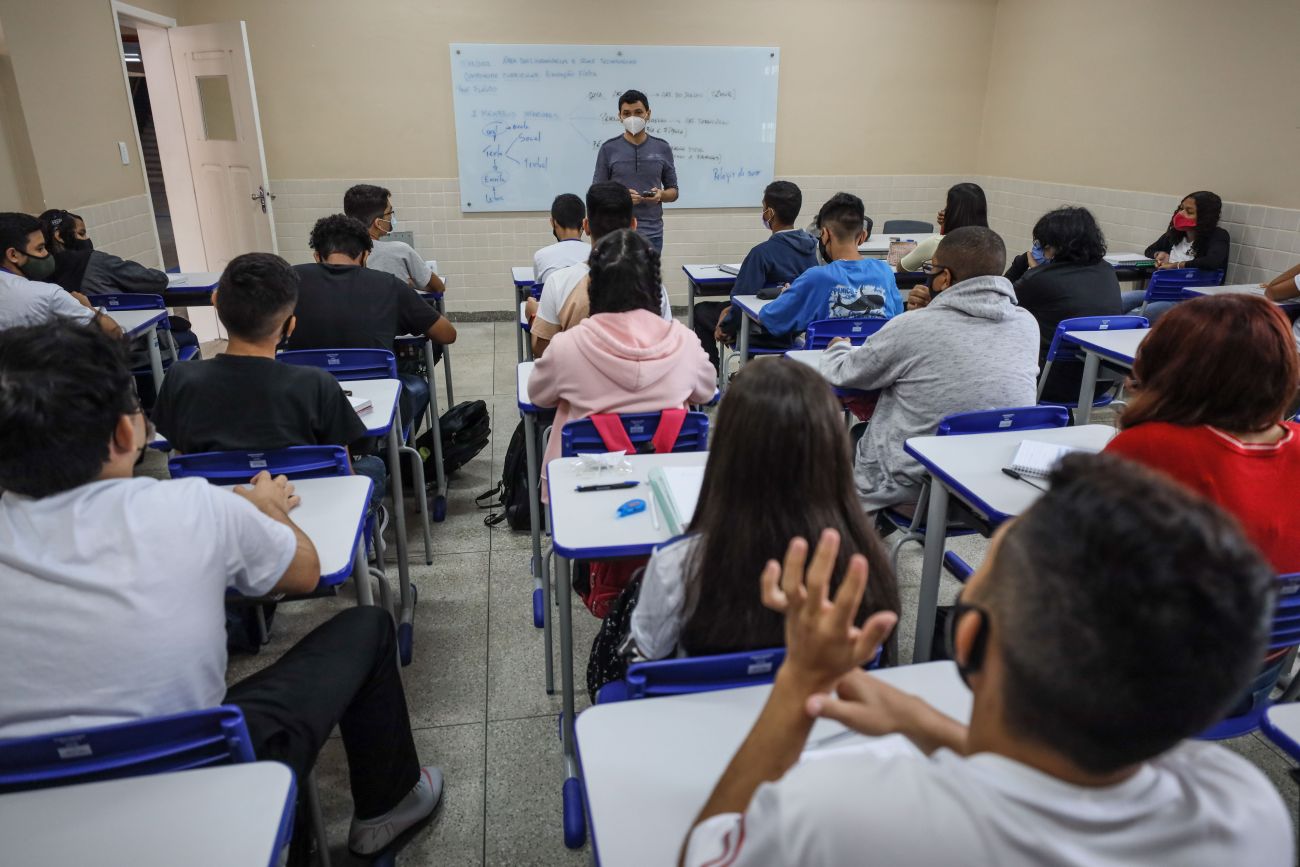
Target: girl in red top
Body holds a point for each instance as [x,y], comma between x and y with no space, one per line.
[1213,381]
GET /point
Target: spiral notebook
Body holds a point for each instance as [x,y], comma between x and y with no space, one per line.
[1036,458]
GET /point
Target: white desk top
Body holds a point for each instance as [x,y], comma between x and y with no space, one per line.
[971,465]
[383,395]
[1234,289]
[522,373]
[709,273]
[878,243]
[225,816]
[587,526]
[523,275]
[643,800]
[523,315]
[193,280]
[1118,346]
[810,357]
[136,322]
[752,305]
[331,514]
[1285,719]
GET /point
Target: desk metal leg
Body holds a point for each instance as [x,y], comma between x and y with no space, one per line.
[435,425]
[574,818]
[742,342]
[446,369]
[155,360]
[690,303]
[406,616]
[541,587]
[361,574]
[1087,387]
[936,521]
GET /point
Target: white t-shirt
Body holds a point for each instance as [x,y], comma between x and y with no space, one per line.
[1181,252]
[559,255]
[27,302]
[1199,805]
[113,599]
[400,259]
[660,609]
[556,289]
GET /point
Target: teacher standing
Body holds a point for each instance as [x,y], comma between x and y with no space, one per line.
[643,164]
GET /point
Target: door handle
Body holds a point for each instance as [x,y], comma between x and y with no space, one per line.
[261,196]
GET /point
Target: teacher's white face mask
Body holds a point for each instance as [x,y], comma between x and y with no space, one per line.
[634,125]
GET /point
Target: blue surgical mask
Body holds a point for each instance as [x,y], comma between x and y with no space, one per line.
[1037,252]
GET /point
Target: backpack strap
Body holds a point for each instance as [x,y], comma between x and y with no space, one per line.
[670,425]
[612,433]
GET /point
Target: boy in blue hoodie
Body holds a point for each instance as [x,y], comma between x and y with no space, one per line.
[847,286]
[777,261]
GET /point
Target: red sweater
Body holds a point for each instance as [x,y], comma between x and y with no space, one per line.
[1258,483]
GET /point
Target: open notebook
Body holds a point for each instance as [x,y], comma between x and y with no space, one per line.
[1036,459]
[676,491]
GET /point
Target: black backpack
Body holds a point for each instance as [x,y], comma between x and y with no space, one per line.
[466,430]
[510,495]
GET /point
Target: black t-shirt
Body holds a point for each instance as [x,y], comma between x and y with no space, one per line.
[351,307]
[242,403]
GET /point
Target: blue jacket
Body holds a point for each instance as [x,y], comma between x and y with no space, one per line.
[842,289]
[778,260]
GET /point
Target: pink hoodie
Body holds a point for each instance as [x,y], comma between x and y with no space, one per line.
[619,362]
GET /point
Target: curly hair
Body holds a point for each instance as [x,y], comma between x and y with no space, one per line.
[624,274]
[1073,235]
[339,233]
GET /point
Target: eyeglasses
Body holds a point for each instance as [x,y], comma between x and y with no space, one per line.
[931,268]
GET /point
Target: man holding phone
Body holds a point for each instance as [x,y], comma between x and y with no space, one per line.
[642,163]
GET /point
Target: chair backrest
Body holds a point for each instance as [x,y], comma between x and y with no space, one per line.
[1063,350]
[1011,418]
[130,301]
[694,674]
[345,363]
[856,329]
[296,462]
[1286,617]
[581,435]
[896,227]
[196,739]
[1167,284]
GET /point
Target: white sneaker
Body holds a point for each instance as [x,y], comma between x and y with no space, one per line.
[369,836]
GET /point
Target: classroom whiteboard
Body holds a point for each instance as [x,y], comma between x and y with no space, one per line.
[530,119]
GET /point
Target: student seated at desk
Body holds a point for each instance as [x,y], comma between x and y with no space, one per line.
[786,254]
[245,400]
[122,617]
[1073,280]
[846,286]
[26,264]
[971,348]
[372,206]
[565,297]
[965,205]
[1194,239]
[1285,287]
[1092,652]
[697,596]
[567,214]
[624,357]
[342,304]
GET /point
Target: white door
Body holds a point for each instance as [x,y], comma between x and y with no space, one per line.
[223,134]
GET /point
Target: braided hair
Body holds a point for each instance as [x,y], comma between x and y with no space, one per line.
[624,274]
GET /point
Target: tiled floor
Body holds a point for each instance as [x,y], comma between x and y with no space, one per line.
[475,687]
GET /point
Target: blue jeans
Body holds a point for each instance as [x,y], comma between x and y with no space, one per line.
[656,241]
[415,397]
[374,468]
[1131,302]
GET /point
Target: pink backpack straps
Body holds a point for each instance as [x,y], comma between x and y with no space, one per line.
[670,425]
[610,428]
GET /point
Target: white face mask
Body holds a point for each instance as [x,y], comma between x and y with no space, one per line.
[392,224]
[634,125]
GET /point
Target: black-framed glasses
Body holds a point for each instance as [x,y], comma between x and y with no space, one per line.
[931,268]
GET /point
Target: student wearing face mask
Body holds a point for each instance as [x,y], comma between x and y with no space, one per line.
[1194,239]
[567,214]
[373,207]
[642,163]
[26,265]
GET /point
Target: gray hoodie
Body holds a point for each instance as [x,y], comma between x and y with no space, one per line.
[972,348]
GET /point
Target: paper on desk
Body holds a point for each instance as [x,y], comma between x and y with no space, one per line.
[677,490]
[176,279]
[1126,258]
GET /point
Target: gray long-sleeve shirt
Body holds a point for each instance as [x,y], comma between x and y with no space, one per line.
[972,348]
[640,167]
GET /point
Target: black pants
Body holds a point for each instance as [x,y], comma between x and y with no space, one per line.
[343,673]
[704,320]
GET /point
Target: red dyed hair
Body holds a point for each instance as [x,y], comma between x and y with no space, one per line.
[1228,361]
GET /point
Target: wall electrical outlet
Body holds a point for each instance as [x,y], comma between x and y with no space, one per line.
[126,157]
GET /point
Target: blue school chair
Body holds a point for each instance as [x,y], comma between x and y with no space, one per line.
[1023,418]
[693,674]
[155,745]
[907,227]
[142,301]
[1284,635]
[1167,284]
[1064,352]
[856,329]
[424,346]
[346,364]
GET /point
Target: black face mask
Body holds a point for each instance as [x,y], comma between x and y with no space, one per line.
[84,245]
[929,279]
[975,661]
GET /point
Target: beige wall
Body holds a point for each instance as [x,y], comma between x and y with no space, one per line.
[20,187]
[345,95]
[1165,96]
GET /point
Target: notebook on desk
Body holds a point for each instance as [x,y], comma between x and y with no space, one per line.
[1035,458]
[733,270]
[360,405]
[676,490]
[1130,259]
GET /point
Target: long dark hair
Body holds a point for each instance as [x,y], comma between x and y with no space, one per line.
[1073,235]
[965,206]
[1208,209]
[780,466]
[624,274]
